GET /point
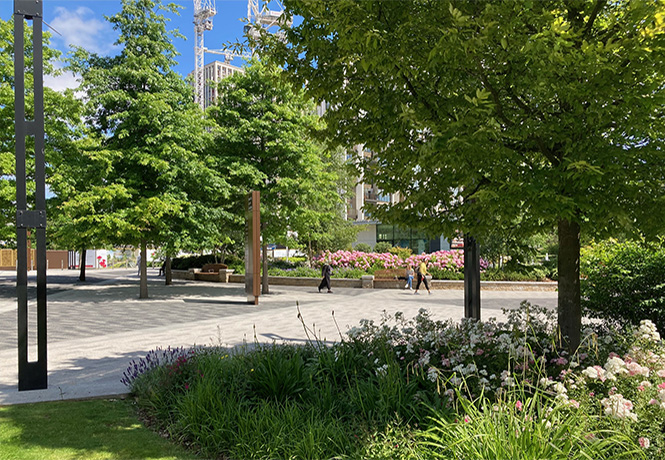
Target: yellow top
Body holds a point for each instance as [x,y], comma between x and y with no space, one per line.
[423,268]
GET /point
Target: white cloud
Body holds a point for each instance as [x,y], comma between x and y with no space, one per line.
[80,27]
[62,82]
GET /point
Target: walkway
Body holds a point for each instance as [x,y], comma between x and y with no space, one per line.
[96,328]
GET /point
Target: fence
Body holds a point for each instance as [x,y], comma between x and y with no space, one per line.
[54,259]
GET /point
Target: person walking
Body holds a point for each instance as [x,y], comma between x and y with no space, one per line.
[326,272]
[422,276]
[409,277]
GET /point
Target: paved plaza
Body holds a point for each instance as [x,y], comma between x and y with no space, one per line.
[96,328]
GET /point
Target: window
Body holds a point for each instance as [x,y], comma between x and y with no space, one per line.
[403,238]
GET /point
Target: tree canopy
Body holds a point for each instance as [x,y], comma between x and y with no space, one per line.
[61,124]
[152,134]
[263,141]
[481,112]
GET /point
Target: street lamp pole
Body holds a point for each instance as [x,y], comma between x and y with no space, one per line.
[31,375]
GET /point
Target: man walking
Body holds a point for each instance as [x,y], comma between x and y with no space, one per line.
[326,272]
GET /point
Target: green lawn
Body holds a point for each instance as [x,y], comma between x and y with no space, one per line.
[90,430]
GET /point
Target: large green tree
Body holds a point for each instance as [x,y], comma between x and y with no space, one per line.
[263,141]
[61,124]
[481,112]
[152,132]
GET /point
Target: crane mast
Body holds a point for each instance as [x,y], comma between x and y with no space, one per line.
[257,17]
[204,10]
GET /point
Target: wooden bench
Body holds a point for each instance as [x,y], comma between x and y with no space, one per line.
[208,268]
[390,274]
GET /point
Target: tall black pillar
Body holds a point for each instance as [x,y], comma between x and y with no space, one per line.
[31,375]
[471,278]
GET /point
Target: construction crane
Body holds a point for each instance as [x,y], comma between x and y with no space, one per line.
[204,10]
[261,17]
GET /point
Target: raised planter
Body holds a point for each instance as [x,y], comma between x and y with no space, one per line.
[368,282]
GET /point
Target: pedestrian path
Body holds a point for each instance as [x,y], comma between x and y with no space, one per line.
[95,329]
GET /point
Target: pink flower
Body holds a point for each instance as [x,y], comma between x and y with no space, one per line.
[467,419]
[644,442]
[518,405]
[661,373]
[640,388]
[479,352]
[574,404]
[661,386]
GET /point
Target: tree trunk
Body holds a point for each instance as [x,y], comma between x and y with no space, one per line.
[143,289]
[167,271]
[82,265]
[264,279]
[569,308]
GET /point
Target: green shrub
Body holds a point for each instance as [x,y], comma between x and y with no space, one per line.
[299,272]
[382,247]
[363,247]
[402,253]
[349,273]
[440,274]
[624,283]
[293,262]
[533,273]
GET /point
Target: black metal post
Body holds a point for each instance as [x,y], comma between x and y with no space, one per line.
[31,375]
[471,278]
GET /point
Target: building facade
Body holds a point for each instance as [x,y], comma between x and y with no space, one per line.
[377,232]
[213,73]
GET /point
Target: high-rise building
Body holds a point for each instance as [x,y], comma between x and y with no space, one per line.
[213,73]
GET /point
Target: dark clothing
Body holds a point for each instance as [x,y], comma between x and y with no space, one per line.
[422,279]
[326,271]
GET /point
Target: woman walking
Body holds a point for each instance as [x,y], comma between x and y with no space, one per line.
[422,276]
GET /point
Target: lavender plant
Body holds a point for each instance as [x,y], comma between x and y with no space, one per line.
[154,359]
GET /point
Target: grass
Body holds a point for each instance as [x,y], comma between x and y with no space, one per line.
[91,430]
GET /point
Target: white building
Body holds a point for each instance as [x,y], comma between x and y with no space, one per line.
[213,73]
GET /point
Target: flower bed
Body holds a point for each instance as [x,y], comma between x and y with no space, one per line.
[452,261]
[418,388]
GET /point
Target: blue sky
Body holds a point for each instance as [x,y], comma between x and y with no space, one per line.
[82,23]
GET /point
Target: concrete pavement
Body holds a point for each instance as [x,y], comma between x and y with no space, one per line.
[96,328]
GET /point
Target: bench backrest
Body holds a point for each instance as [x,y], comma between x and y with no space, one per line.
[213,267]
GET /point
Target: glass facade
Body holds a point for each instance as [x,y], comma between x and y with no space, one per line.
[406,238]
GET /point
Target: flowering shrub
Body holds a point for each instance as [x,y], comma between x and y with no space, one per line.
[628,389]
[483,356]
[440,260]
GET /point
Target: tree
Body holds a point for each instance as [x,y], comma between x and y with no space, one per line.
[85,215]
[152,131]
[482,112]
[61,122]
[263,142]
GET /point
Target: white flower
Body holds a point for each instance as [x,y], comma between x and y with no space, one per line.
[545,382]
[648,331]
[424,359]
[615,366]
[382,371]
[432,374]
[618,407]
[559,388]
